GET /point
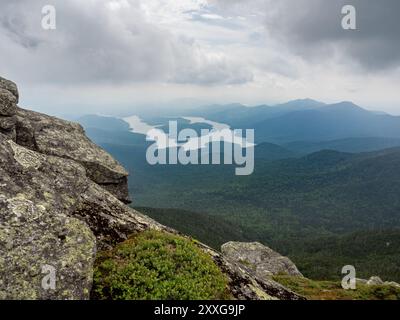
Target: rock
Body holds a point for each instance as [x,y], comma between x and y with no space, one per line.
[52,214]
[36,233]
[30,245]
[375,281]
[246,284]
[393,284]
[52,136]
[361,281]
[10,86]
[8,108]
[8,127]
[10,134]
[263,260]
[7,103]
[8,123]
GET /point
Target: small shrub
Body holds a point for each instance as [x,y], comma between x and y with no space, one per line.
[156,266]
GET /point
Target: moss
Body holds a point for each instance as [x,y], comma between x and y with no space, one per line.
[156,265]
[331,290]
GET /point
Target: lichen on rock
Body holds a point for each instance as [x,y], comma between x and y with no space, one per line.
[64,139]
[263,260]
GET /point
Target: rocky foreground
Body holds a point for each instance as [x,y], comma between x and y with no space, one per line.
[62,198]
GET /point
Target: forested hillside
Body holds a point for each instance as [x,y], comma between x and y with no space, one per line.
[325,209]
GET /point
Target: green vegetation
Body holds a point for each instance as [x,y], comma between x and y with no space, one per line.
[308,209]
[212,230]
[371,252]
[324,211]
[331,290]
[155,266]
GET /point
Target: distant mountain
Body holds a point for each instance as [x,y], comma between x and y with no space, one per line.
[272,152]
[331,122]
[233,114]
[308,121]
[300,104]
[354,145]
[304,125]
[103,122]
[291,202]
[102,136]
[242,117]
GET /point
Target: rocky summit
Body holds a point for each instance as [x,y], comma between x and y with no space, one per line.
[62,198]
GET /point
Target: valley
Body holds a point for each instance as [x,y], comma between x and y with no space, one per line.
[324,203]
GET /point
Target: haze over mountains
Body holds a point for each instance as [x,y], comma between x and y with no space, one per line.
[300,126]
[306,120]
[287,130]
[324,174]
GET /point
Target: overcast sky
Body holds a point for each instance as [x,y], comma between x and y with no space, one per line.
[112,55]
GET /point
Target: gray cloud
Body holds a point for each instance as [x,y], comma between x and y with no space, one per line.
[93,43]
[160,50]
[312,29]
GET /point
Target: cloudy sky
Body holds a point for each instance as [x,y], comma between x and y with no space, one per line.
[113,55]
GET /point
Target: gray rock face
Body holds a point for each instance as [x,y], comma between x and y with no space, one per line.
[8,123]
[8,103]
[263,260]
[375,281]
[393,284]
[246,284]
[10,86]
[8,109]
[52,214]
[52,136]
[361,281]
[35,230]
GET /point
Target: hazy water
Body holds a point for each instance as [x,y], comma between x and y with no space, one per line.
[219,132]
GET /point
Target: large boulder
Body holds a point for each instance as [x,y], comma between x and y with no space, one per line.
[375,281]
[10,86]
[263,260]
[52,214]
[393,284]
[8,109]
[247,284]
[8,103]
[53,136]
